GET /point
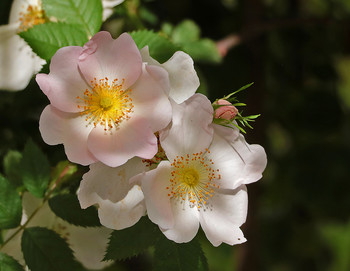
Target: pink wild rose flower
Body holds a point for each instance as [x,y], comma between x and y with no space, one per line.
[106,104]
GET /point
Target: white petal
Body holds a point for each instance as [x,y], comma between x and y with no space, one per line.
[153,184]
[124,213]
[18,62]
[20,6]
[190,131]
[186,224]
[107,183]
[237,161]
[228,212]
[108,6]
[183,77]
[147,58]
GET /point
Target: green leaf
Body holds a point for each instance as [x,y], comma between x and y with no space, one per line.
[132,241]
[86,14]
[10,205]
[68,208]
[171,256]
[8,263]
[46,39]
[186,32]
[160,48]
[45,250]
[11,164]
[35,169]
[203,50]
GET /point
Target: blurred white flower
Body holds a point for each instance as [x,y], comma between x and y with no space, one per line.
[18,63]
[108,6]
[88,244]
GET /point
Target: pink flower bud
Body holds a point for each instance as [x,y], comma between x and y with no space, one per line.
[226,111]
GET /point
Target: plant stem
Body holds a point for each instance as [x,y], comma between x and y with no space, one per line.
[46,198]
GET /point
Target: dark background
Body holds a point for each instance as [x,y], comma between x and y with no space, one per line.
[297,55]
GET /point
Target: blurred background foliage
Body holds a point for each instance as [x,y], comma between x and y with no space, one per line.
[298,54]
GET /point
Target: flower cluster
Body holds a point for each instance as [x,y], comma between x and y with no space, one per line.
[150,141]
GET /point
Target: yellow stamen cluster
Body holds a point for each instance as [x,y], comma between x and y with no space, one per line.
[34,15]
[193,179]
[106,104]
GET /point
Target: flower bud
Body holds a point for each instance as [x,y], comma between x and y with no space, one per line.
[226,110]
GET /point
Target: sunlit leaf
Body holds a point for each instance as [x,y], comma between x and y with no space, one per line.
[46,39]
[86,14]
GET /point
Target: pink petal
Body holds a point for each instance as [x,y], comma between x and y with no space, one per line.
[133,138]
[104,57]
[149,97]
[221,222]
[68,128]
[186,224]
[153,184]
[190,131]
[51,126]
[64,83]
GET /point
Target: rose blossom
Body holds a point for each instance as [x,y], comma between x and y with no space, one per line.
[106,104]
[203,183]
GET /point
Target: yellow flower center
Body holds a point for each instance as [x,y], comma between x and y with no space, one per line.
[34,15]
[190,177]
[106,104]
[193,179]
